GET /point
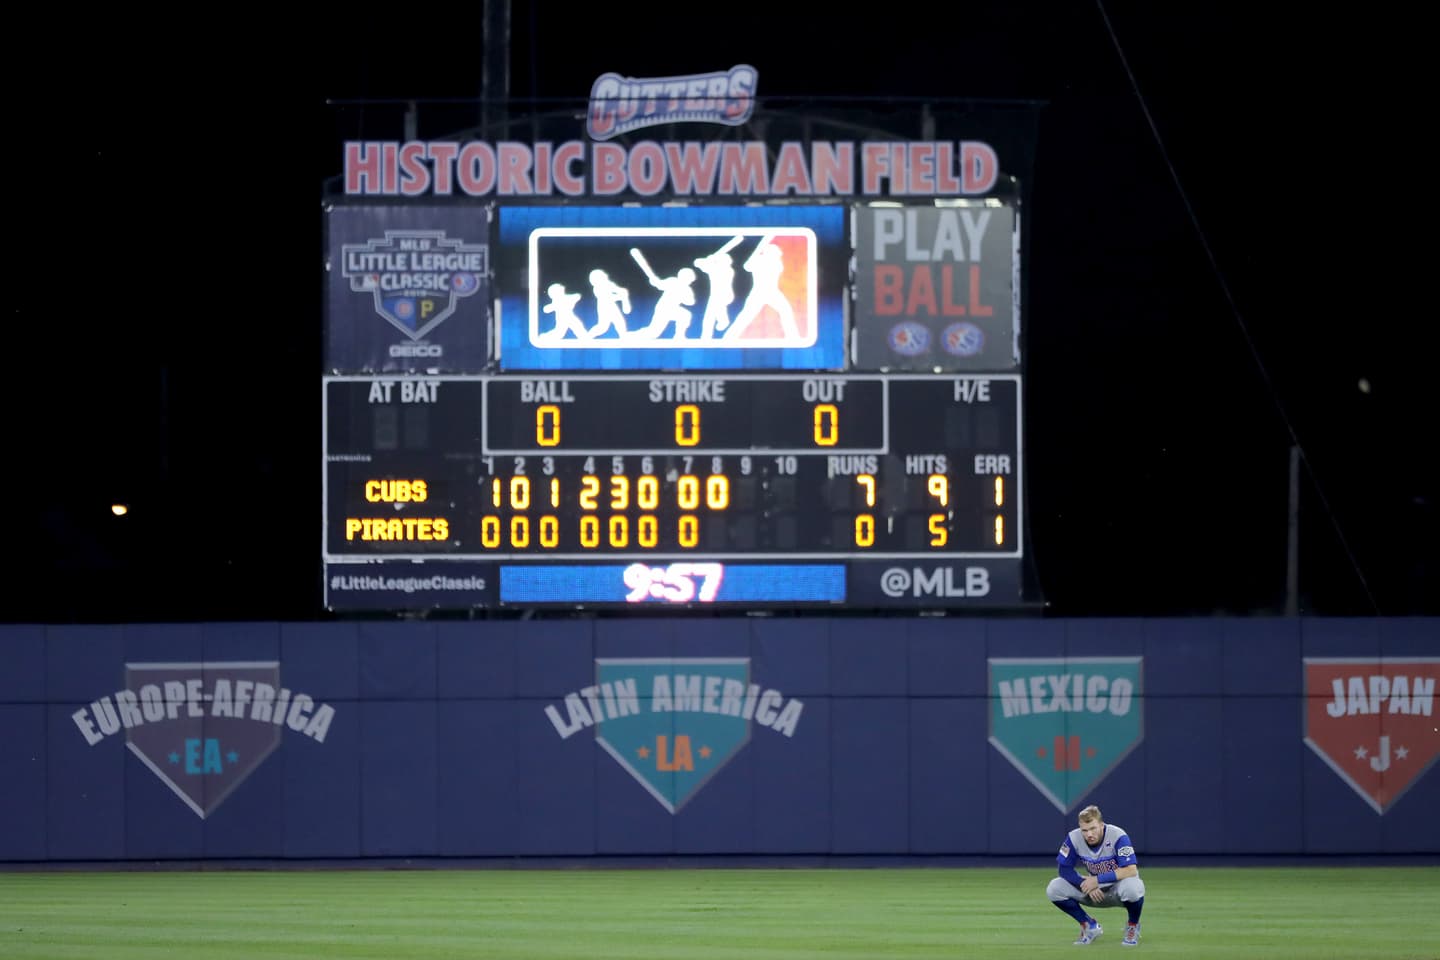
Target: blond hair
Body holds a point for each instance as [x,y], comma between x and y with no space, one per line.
[1091,812]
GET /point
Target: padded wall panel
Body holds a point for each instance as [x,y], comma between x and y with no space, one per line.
[948,790]
[477,805]
[946,657]
[1261,796]
[870,775]
[397,661]
[1184,764]
[322,659]
[399,760]
[322,780]
[85,785]
[22,654]
[793,777]
[869,658]
[23,775]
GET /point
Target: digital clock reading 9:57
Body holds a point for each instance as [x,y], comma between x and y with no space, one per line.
[690,468]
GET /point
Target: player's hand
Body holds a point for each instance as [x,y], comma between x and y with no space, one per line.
[1089,885]
[1097,895]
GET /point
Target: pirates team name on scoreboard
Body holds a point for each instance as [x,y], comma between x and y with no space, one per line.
[414,529]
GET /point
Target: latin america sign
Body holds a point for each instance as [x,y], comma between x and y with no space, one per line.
[673,724]
[647,168]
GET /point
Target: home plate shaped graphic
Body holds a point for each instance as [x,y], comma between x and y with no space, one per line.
[667,740]
[203,746]
[674,723]
[1373,722]
[1065,723]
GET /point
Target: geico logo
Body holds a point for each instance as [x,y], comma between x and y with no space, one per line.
[396,491]
[416,350]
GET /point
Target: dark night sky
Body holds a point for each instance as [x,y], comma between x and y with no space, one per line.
[1209,281]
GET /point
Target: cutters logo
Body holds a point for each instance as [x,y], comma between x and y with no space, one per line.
[621,104]
[1065,723]
[415,277]
[1373,722]
[203,728]
[673,724]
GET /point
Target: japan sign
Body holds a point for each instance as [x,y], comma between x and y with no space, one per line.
[1373,722]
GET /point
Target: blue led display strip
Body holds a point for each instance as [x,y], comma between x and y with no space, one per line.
[673,583]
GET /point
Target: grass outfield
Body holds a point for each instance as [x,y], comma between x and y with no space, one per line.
[707,914]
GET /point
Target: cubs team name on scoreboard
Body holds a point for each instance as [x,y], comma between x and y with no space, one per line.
[753,489]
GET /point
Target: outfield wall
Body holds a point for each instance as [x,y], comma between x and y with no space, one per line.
[744,736]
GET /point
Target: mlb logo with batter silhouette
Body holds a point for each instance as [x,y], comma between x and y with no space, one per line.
[672,288]
[742,287]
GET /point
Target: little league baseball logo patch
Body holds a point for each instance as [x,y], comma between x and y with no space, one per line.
[1373,722]
[415,278]
[1065,723]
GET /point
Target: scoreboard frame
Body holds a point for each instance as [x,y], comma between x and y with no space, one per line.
[466,466]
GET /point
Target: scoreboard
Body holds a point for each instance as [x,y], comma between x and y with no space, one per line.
[629,457]
[754,489]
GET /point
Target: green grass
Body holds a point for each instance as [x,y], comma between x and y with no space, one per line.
[709,914]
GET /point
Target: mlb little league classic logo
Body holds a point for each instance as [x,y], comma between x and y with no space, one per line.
[1065,723]
[415,278]
[1373,722]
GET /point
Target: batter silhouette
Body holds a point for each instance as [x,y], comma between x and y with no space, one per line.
[676,296]
[612,302]
[765,265]
[719,269]
[562,304]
